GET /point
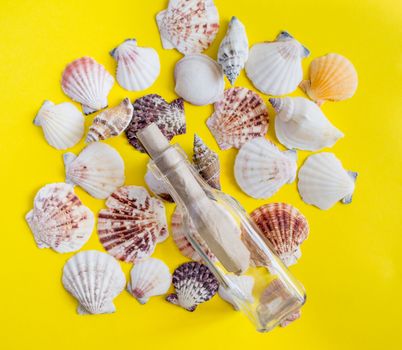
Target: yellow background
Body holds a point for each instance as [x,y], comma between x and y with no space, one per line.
[351,263]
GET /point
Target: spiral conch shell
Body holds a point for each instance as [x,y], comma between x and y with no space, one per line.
[190,26]
[331,78]
[233,51]
[111,122]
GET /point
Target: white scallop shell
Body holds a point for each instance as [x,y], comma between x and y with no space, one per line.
[137,67]
[261,169]
[199,79]
[157,186]
[87,82]
[59,220]
[233,51]
[323,181]
[239,290]
[300,124]
[149,278]
[275,67]
[98,169]
[62,124]
[94,279]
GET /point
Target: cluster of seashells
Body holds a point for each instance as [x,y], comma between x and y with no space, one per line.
[133,221]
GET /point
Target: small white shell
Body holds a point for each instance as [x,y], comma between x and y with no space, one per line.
[323,181]
[137,67]
[94,279]
[98,169]
[233,51]
[149,278]
[275,67]
[62,124]
[157,186]
[199,79]
[261,169]
[300,124]
[240,290]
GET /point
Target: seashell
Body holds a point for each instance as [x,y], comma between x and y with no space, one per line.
[323,181]
[111,122]
[132,224]
[275,67]
[98,169]
[293,317]
[194,284]
[94,279]
[62,124]
[190,26]
[285,227]
[137,67]
[240,116]
[199,80]
[59,220]
[206,162]
[239,290]
[154,109]
[157,186]
[233,51]
[149,278]
[331,78]
[87,82]
[261,169]
[300,123]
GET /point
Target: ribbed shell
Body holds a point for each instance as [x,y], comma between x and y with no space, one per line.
[98,169]
[132,224]
[62,124]
[240,116]
[190,26]
[194,284]
[94,279]
[87,82]
[240,290]
[261,169]
[149,278]
[323,181]
[137,67]
[111,122]
[206,162]
[285,227]
[59,220]
[300,124]
[169,117]
[233,51]
[199,79]
[275,67]
[331,78]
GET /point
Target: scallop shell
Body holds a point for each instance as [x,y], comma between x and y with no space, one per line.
[137,67]
[261,169]
[240,116]
[111,122]
[87,82]
[300,123]
[149,278]
[94,279]
[132,224]
[239,290]
[59,220]
[190,26]
[169,117]
[194,284]
[62,124]
[157,186]
[331,78]
[206,162]
[275,67]
[323,181]
[98,169]
[199,80]
[233,51]
[285,227]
